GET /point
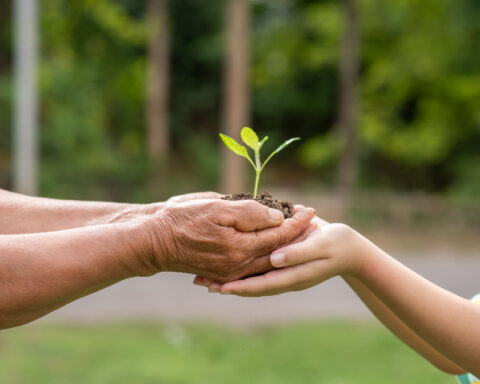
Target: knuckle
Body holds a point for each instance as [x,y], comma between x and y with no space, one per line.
[274,240]
[280,238]
[340,231]
[212,207]
[293,258]
[250,206]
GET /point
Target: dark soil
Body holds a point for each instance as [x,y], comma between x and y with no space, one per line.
[265,198]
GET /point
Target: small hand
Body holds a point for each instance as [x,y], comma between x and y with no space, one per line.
[322,252]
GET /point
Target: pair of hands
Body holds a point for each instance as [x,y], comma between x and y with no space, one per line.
[205,235]
[324,250]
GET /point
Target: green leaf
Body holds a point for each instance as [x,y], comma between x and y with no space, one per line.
[235,147]
[250,138]
[288,142]
[260,145]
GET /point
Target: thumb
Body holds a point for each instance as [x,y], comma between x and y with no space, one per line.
[249,216]
[298,253]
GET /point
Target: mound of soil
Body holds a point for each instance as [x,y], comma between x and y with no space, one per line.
[286,207]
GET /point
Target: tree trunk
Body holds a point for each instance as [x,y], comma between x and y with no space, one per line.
[348,108]
[236,93]
[25,138]
[158,88]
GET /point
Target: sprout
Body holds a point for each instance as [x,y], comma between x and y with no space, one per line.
[250,138]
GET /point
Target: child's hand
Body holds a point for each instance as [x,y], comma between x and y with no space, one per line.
[320,253]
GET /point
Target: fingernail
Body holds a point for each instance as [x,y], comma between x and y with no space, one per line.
[226,293]
[275,214]
[213,290]
[277,259]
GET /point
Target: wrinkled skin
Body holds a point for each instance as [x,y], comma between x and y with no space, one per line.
[218,239]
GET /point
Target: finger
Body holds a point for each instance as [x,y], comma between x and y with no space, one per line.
[249,216]
[311,227]
[259,265]
[279,281]
[207,281]
[203,281]
[298,253]
[214,287]
[268,240]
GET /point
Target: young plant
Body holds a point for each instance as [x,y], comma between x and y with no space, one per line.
[250,138]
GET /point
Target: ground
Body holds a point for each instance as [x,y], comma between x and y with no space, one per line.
[143,353]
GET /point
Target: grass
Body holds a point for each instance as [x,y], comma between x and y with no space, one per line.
[327,352]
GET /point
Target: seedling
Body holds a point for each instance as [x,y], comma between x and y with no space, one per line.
[250,138]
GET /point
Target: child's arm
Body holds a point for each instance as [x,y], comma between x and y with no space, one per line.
[399,329]
[447,322]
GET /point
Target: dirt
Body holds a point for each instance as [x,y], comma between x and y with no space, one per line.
[265,198]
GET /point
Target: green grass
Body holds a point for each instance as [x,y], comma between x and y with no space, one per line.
[327,352]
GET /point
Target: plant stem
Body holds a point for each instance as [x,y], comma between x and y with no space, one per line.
[258,170]
[257,177]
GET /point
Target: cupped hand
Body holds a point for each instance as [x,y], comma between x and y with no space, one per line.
[219,239]
[323,251]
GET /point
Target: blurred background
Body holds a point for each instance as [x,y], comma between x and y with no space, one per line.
[123,100]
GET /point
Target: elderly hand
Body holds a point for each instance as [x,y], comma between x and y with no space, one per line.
[219,239]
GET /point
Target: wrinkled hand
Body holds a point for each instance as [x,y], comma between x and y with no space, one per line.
[321,252]
[219,239]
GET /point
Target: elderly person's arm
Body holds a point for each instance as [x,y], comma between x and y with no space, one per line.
[28,214]
[215,238]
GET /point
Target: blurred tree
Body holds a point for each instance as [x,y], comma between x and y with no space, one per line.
[158,86]
[5,17]
[5,91]
[420,90]
[419,120]
[25,143]
[236,97]
[93,75]
[347,122]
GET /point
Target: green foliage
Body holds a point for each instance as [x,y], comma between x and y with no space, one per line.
[319,151]
[250,138]
[466,188]
[92,93]
[419,118]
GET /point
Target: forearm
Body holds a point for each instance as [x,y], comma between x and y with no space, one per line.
[447,322]
[41,272]
[26,214]
[399,329]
